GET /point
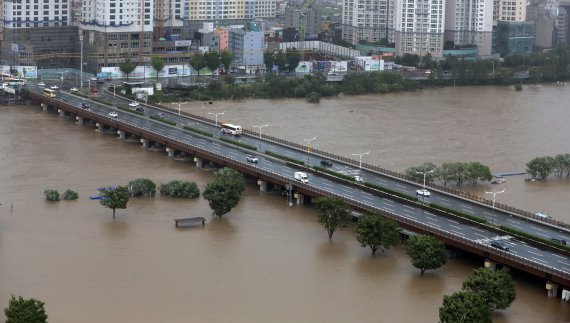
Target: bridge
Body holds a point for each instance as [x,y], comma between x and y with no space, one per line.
[200,138]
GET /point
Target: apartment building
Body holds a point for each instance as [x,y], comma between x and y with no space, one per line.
[38,32]
[307,21]
[230,9]
[247,46]
[419,27]
[470,22]
[509,10]
[368,20]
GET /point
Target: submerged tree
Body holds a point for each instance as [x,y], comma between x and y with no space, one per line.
[465,307]
[496,287]
[224,191]
[426,252]
[333,213]
[114,198]
[22,310]
[376,232]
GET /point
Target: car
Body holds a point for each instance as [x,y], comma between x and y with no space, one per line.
[499,245]
[160,115]
[73,89]
[139,109]
[560,241]
[84,105]
[41,84]
[113,115]
[134,104]
[359,179]
[54,87]
[326,163]
[423,192]
[251,158]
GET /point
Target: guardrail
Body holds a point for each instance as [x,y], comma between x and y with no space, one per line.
[450,238]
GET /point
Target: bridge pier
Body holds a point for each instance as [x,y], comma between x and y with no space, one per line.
[171,152]
[145,143]
[198,162]
[262,185]
[300,198]
[490,265]
[99,126]
[44,106]
[551,289]
[80,120]
[122,134]
[61,112]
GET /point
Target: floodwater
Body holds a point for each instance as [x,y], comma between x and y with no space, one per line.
[264,262]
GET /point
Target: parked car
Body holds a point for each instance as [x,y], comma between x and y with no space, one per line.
[423,192]
[500,245]
[134,104]
[251,158]
[41,84]
[73,89]
[113,115]
[54,87]
[326,163]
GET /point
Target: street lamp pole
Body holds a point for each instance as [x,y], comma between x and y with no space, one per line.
[495,192]
[260,127]
[216,115]
[179,104]
[308,147]
[81,60]
[425,174]
[360,155]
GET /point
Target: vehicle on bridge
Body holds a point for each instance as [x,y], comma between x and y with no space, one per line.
[231,129]
[113,115]
[134,104]
[251,158]
[50,93]
[423,192]
[499,245]
[326,163]
[301,177]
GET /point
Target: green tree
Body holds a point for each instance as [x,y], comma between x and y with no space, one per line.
[22,310]
[476,171]
[198,62]
[180,189]
[212,60]
[69,195]
[293,58]
[141,186]
[376,232]
[227,59]
[51,195]
[464,307]
[417,172]
[562,165]
[496,287]
[224,191]
[157,63]
[333,213]
[426,252]
[127,67]
[540,167]
[114,197]
[281,61]
[268,60]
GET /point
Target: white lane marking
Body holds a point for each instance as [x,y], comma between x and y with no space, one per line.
[427,217]
[450,220]
[390,210]
[510,220]
[470,211]
[453,226]
[402,186]
[541,234]
[385,200]
[475,233]
[411,212]
[465,206]
[434,224]
[559,256]
[535,253]
[488,213]
[562,262]
[409,207]
[538,229]
[478,230]
[540,260]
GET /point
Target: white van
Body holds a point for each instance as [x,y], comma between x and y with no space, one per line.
[301,177]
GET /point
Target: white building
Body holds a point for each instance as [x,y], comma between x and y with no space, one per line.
[247,46]
[509,10]
[230,9]
[470,22]
[369,20]
[419,27]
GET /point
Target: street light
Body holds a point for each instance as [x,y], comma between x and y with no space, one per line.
[494,192]
[360,155]
[179,104]
[260,127]
[216,114]
[308,147]
[425,174]
[81,60]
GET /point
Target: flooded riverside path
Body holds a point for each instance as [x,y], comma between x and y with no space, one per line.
[264,262]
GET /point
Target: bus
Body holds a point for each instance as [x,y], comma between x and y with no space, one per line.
[231,129]
[15,81]
[50,93]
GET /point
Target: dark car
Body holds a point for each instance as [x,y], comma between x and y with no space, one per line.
[560,241]
[139,109]
[84,105]
[500,245]
[326,163]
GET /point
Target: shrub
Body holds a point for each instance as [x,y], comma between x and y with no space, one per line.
[69,195]
[198,131]
[178,188]
[51,195]
[285,158]
[141,186]
[237,143]
[313,97]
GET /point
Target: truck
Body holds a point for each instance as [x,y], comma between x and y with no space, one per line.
[301,177]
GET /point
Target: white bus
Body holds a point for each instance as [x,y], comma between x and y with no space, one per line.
[231,129]
[50,93]
[15,82]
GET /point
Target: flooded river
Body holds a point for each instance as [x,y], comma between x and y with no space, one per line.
[264,262]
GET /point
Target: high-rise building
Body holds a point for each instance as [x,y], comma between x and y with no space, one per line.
[247,46]
[509,10]
[561,23]
[307,22]
[514,37]
[368,20]
[38,33]
[470,22]
[419,27]
[230,9]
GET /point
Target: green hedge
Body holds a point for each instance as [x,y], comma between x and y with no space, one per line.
[198,131]
[455,212]
[163,120]
[392,192]
[285,158]
[534,238]
[237,143]
[333,173]
[130,110]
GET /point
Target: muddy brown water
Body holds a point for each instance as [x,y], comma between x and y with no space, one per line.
[264,262]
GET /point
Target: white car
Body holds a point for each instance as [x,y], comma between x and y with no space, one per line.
[423,192]
[251,158]
[134,104]
[41,84]
[73,89]
[54,87]
[113,114]
[359,179]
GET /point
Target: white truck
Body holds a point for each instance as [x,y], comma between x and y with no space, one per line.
[301,177]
